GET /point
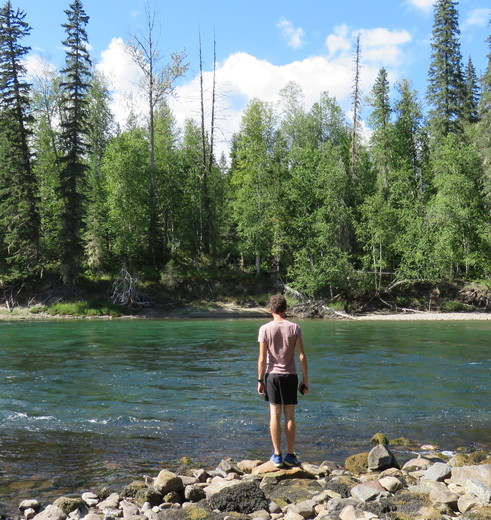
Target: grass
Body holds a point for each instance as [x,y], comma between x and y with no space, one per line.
[84,309]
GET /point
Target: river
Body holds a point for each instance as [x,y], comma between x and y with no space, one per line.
[85,402]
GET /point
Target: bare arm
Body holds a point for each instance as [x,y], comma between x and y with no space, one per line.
[261,367]
[303,363]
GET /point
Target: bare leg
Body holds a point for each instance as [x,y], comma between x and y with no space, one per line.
[290,427]
[275,426]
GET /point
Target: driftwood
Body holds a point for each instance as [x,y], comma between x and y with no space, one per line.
[126,291]
[310,308]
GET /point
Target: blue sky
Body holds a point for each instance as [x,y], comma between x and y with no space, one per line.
[261,45]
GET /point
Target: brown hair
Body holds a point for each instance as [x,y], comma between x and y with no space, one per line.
[277,303]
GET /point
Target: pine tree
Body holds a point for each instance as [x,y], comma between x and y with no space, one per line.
[484,130]
[18,212]
[74,167]
[472,94]
[446,90]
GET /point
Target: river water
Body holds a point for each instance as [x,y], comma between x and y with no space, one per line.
[90,402]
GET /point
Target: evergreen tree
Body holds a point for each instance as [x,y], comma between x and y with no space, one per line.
[446,90]
[72,188]
[472,92]
[484,130]
[18,210]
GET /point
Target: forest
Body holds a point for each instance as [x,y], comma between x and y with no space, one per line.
[303,197]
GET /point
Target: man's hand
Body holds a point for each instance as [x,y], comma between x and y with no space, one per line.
[260,388]
[303,387]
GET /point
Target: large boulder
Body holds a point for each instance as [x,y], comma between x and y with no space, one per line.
[482,473]
[245,498]
[292,491]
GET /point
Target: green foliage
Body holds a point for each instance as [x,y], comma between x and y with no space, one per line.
[85,309]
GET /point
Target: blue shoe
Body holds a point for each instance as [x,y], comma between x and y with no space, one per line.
[277,460]
[291,460]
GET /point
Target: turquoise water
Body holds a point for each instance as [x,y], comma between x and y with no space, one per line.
[88,402]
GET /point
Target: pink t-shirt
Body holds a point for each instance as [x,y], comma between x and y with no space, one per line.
[280,338]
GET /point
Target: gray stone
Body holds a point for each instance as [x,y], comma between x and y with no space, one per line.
[68,504]
[365,493]
[129,509]
[481,472]
[306,508]
[29,504]
[467,502]
[336,505]
[51,512]
[349,513]
[391,484]
[438,471]
[292,515]
[29,513]
[91,499]
[444,496]
[419,463]
[380,458]
[478,488]
[111,502]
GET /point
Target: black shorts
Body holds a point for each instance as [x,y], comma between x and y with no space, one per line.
[281,388]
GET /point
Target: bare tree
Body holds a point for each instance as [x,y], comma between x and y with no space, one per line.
[158,82]
[356,97]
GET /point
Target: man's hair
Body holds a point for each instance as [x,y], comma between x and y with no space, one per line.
[277,303]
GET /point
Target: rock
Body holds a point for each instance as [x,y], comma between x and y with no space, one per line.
[479,489]
[292,491]
[245,497]
[292,515]
[477,457]
[90,499]
[349,513]
[201,475]
[129,509]
[391,484]
[341,485]
[29,513]
[444,496]
[217,484]
[379,438]
[306,508]
[92,516]
[194,493]
[132,489]
[51,512]
[67,504]
[438,471]
[367,492]
[167,481]
[467,502]
[227,466]
[415,464]
[380,458]
[357,463]
[173,497]
[111,502]
[462,475]
[148,494]
[29,504]
[335,506]
[246,466]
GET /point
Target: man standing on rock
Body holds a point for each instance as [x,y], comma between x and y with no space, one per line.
[277,378]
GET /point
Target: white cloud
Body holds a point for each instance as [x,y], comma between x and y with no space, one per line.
[242,77]
[294,36]
[123,76]
[478,18]
[38,67]
[423,5]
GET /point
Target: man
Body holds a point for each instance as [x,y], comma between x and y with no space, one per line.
[277,378]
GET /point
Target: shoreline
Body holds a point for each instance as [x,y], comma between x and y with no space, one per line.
[229,311]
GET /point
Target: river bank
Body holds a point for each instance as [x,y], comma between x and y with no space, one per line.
[218,310]
[381,484]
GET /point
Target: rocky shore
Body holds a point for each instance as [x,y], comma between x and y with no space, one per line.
[370,486]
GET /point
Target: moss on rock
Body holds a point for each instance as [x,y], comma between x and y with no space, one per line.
[357,463]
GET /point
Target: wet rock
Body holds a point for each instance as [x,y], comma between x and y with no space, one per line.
[150,495]
[246,497]
[293,491]
[379,438]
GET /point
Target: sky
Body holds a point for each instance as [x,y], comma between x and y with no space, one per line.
[261,46]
